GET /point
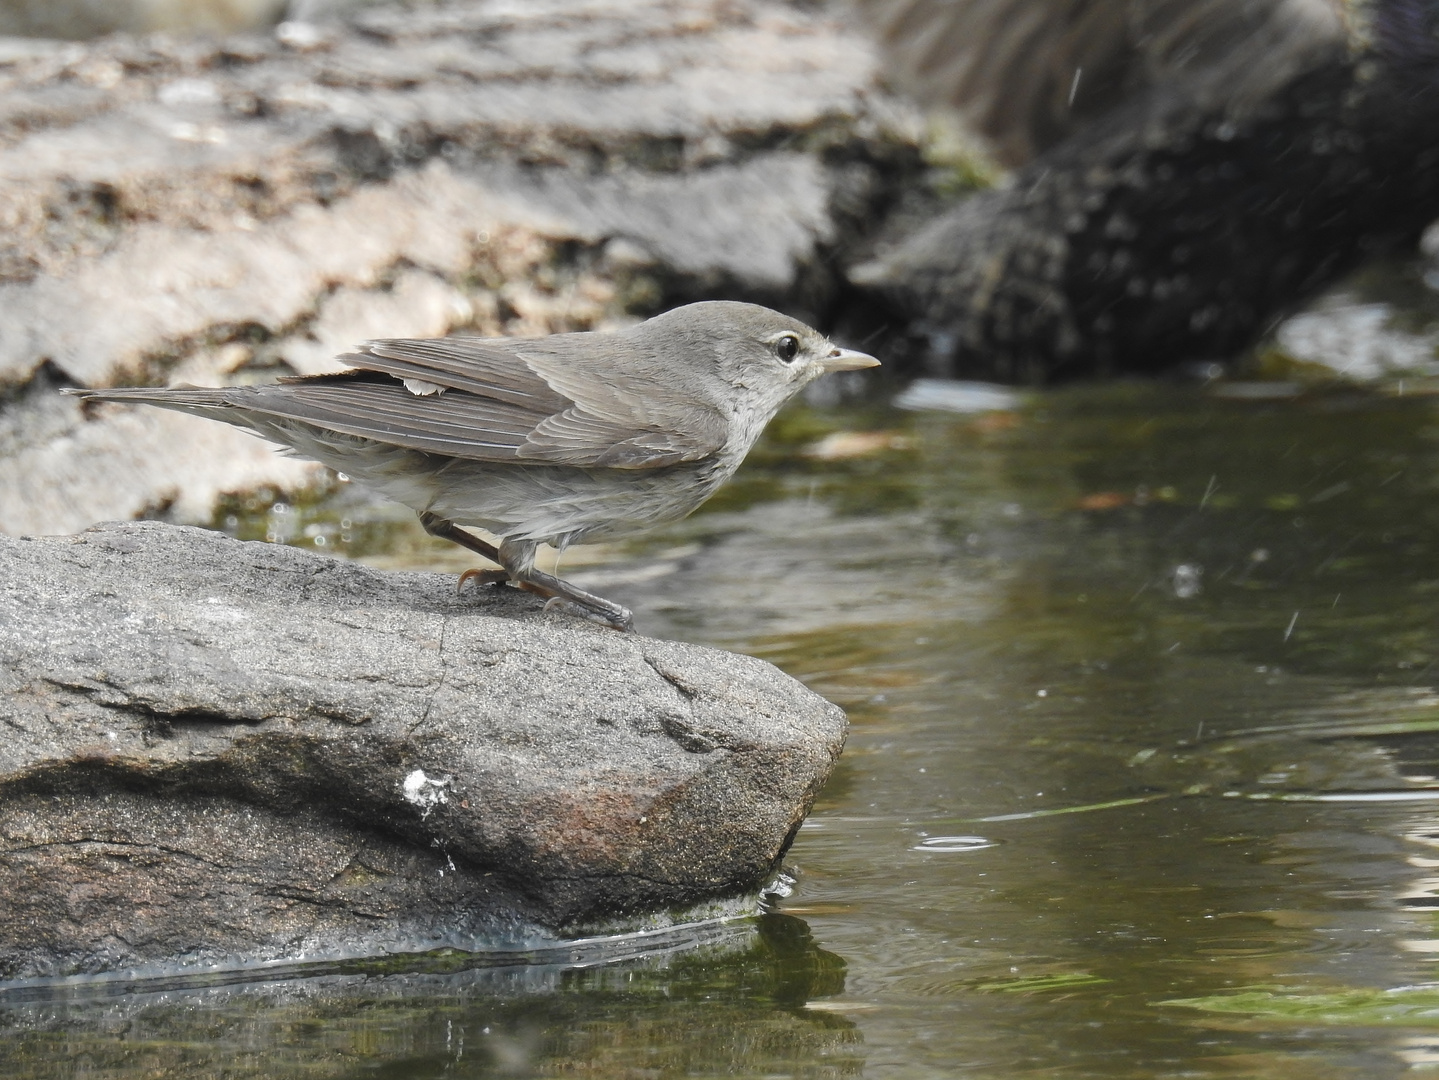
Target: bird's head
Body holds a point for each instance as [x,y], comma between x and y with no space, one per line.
[762,356]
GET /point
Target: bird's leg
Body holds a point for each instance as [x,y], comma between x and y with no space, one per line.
[518,557]
[448,530]
[518,560]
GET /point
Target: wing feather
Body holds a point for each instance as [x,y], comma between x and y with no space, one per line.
[458,424]
[625,416]
[574,437]
[566,400]
[488,367]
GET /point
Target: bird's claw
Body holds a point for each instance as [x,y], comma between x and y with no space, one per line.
[481,577]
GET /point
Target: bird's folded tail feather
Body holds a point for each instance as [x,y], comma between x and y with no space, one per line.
[175,397]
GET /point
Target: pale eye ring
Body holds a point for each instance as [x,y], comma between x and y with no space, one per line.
[786,347]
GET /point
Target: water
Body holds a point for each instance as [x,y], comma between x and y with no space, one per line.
[1141,781]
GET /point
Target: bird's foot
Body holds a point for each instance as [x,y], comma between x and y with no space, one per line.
[612,615]
[595,607]
[517,558]
[481,577]
[559,596]
[566,597]
[498,577]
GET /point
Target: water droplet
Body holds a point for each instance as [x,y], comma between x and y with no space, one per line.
[1186,580]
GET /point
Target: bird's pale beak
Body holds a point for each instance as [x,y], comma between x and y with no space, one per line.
[847,360]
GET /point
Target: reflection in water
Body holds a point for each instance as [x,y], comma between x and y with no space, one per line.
[736,1010]
[1142,685]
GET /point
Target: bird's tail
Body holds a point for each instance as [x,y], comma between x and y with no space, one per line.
[178,397]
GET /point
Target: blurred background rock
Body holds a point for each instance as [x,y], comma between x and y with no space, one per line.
[1185,173]
[1029,73]
[77,20]
[80,19]
[231,208]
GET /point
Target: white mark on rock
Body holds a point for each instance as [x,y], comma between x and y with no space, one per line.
[299,35]
[188,92]
[184,131]
[220,611]
[426,792]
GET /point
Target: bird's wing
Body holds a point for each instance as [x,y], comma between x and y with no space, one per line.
[576,437]
[487,367]
[623,416]
[492,399]
[457,423]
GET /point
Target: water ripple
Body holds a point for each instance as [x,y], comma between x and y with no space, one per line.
[955,843]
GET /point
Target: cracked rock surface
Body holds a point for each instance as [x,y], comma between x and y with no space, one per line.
[218,752]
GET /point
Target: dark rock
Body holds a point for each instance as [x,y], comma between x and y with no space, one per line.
[1027,74]
[219,752]
[1180,218]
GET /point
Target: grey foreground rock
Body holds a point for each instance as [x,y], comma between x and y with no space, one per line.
[218,752]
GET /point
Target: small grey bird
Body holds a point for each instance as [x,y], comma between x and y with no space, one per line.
[557,440]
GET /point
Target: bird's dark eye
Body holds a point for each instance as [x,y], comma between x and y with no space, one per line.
[787,348]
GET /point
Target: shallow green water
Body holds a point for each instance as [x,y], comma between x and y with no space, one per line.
[1142,684]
